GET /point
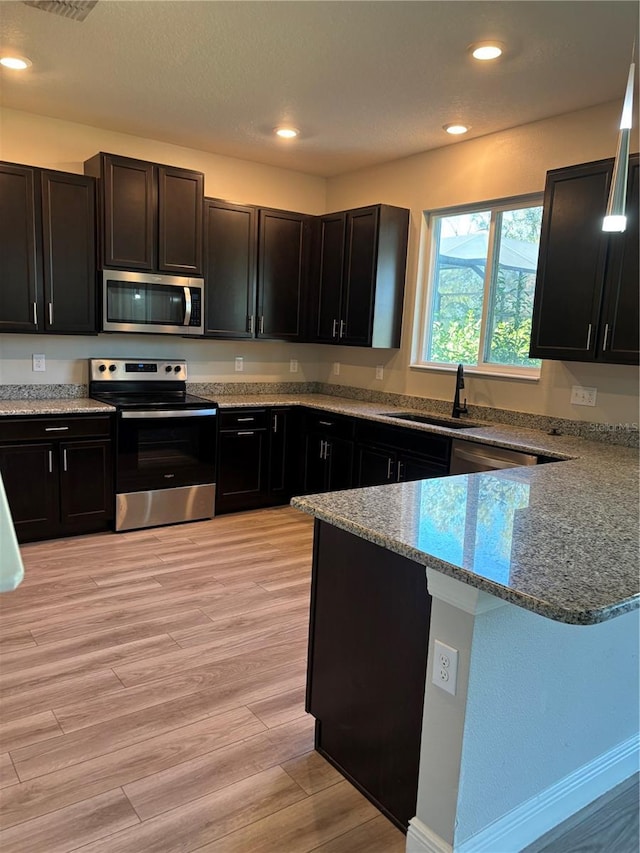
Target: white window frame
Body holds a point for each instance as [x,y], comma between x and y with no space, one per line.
[426,284]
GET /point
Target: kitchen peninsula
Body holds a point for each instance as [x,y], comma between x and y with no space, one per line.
[533,579]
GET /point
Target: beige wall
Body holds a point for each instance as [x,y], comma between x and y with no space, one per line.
[510,163]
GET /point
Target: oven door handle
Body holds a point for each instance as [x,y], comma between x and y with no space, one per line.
[170,413]
[187,306]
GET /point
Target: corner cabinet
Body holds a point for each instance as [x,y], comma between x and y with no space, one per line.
[360,259]
[47,245]
[151,216]
[586,300]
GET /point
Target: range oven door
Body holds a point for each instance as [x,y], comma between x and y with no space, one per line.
[165,449]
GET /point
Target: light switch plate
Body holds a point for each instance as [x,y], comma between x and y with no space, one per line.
[583,396]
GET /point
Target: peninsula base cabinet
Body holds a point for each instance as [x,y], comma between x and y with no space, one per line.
[57,486]
[368,636]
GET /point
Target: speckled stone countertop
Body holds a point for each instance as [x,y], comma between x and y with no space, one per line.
[559,539]
[57,406]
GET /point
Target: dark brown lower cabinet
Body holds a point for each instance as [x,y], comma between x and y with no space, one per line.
[57,488]
[368,640]
[242,470]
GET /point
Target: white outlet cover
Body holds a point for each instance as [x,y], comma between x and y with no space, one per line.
[336,368]
[293,365]
[445,667]
[39,362]
[239,364]
[379,372]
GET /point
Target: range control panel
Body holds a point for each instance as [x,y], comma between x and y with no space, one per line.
[113,369]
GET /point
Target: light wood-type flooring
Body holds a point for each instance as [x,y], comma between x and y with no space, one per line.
[152,698]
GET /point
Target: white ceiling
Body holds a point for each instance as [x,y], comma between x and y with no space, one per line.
[365,81]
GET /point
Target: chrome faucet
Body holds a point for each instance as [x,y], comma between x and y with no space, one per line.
[457,408]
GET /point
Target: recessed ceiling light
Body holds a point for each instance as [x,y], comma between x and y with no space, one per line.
[485,50]
[286,132]
[456,128]
[17,63]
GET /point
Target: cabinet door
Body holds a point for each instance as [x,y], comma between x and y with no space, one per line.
[230,270]
[30,475]
[129,213]
[86,485]
[359,276]
[418,468]
[315,468]
[330,263]
[180,211]
[284,468]
[280,275]
[68,228]
[375,466]
[571,263]
[339,462]
[242,470]
[619,335]
[20,286]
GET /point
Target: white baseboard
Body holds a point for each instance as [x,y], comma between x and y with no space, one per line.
[421,839]
[536,816]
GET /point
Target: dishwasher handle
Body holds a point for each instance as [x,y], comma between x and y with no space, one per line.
[468,457]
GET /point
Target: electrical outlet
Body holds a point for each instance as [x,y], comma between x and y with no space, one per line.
[336,368]
[445,667]
[583,396]
[379,372]
[239,364]
[293,365]
[39,362]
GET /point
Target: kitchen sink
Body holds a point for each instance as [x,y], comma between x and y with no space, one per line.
[429,419]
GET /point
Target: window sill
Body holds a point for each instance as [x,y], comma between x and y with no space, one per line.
[530,375]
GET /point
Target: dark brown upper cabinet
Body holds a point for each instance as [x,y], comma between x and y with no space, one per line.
[586,300]
[282,274]
[359,264]
[151,216]
[230,235]
[47,251]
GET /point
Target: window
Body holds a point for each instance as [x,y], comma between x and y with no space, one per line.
[479,297]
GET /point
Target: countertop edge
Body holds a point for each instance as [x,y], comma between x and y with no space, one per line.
[590,616]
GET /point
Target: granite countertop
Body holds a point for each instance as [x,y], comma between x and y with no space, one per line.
[56,406]
[560,539]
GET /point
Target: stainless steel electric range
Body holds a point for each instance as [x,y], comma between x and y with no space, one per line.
[165,441]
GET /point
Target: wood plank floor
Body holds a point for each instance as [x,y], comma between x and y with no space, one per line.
[152,698]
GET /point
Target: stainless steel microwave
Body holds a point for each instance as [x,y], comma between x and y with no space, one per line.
[149,302]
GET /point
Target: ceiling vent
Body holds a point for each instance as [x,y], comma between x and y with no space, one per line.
[76,10]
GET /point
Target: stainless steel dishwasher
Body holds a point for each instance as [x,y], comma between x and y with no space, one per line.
[468,457]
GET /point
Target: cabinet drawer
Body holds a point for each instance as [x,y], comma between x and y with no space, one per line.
[417,441]
[329,424]
[70,426]
[234,419]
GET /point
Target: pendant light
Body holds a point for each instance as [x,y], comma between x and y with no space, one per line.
[615,218]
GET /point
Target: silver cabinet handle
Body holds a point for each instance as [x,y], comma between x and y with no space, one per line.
[187,306]
[245,432]
[51,461]
[55,429]
[64,459]
[262,324]
[252,320]
[326,449]
[389,464]
[35,313]
[334,330]
[589,337]
[606,337]
[321,449]
[51,313]
[400,471]
[275,423]
[343,328]
[326,423]
[245,420]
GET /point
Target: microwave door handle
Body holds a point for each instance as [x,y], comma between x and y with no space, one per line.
[187,306]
